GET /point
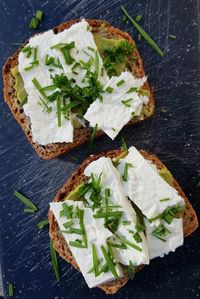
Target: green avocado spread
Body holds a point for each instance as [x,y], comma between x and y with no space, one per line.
[19,85]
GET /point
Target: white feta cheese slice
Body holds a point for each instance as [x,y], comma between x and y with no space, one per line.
[96,234]
[110,178]
[117,108]
[145,187]
[173,240]
[44,125]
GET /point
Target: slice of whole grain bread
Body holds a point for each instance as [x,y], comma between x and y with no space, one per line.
[81,135]
[190,221]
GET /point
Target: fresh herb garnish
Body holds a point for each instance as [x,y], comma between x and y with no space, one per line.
[172,36]
[128,243]
[43,223]
[65,50]
[109,89]
[165,199]
[126,222]
[98,263]
[169,213]
[109,262]
[58,105]
[131,270]
[39,15]
[139,37]
[127,102]
[35,21]
[116,55]
[119,83]
[132,89]
[143,33]
[138,18]
[10,290]
[140,227]
[29,210]
[76,244]
[81,216]
[95,260]
[137,237]
[26,201]
[125,174]
[124,145]
[160,232]
[54,260]
[91,49]
[117,245]
[96,64]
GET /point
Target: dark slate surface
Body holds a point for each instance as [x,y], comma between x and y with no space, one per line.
[174,136]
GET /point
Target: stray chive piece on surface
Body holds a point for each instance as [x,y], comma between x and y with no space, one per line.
[172,36]
[43,223]
[10,290]
[127,102]
[143,33]
[138,18]
[54,260]
[139,37]
[26,201]
[109,262]
[165,199]
[35,21]
[124,18]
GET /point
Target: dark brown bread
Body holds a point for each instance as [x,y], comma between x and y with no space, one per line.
[81,135]
[190,221]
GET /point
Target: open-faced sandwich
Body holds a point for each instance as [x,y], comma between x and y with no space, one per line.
[115,213]
[81,77]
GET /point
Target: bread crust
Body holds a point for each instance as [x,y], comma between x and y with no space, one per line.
[81,135]
[190,221]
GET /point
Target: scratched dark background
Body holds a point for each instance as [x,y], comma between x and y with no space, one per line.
[173,135]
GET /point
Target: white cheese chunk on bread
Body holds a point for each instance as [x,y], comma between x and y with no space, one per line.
[145,187]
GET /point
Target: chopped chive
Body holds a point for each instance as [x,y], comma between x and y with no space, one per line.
[39,15]
[130,244]
[26,201]
[114,129]
[34,23]
[35,50]
[198,185]
[137,237]
[124,18]
[67,211]
[49,87]
[116,245]
[76,64]
[109,89]
[43,223]
[73,230]
[172,36]
[67,56]
[48,109]
[29,210]
[163,110]
[165,199]
[93,135]
[38,87]
[138,18]
[96,64]
[132,89]
[119,83]
[87,53]
[108,214]
[131,270]
[109,262]
[54,260]
[140,227]
[124,145]
[139,37]
[143,33]
[10,290]
[126,102]
[81,217]
[32,65]
[126,222]
[68,223]
[76,244]
[125,174]
[98,263]
[58,105]
[91,49]
[161,231]
[95,260]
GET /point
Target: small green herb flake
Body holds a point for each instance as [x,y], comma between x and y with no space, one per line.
[25,200]
[42,224]
[109,89]
[139,37]
[98,263]
[54,260]
[129,243]
[125,174]
[30,211]
[76,244]
[172,36]
[10,290]
[91,49]
[34,23]
[96,64]
[127,102]
[137,237]
[39,15]
[160,232]
[132,89]
[138,18]
[165,199]
[58,105]
[93,135]
[143,33]
[109,262]
[125,222]
[108,214]
[124,145]
[119,83]
[140,227]
[124,18]
[95,260]
[131,270]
